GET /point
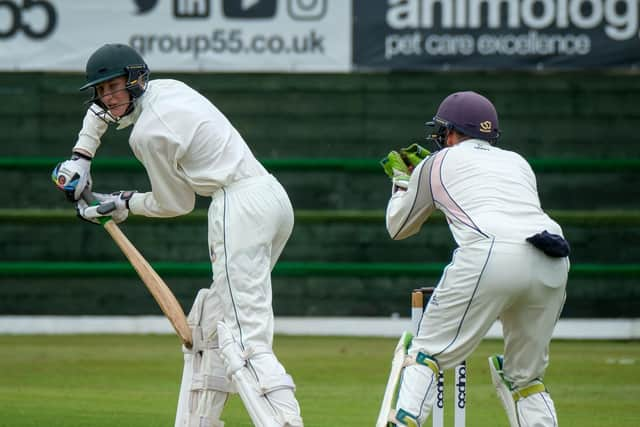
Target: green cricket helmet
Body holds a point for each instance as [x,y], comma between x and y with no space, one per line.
[116,60]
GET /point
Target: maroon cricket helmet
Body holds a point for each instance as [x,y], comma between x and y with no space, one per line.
[468,113]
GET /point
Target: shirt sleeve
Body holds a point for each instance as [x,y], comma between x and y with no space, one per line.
[170,193]
[92,130]
[408,210]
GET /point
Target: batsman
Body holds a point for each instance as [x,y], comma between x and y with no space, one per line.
[188,148]
[511,264]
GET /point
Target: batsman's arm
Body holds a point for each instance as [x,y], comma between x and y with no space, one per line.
[154,283]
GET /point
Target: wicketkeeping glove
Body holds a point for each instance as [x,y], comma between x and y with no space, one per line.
[413,155]
[396,169]
[73,176]
[115,205]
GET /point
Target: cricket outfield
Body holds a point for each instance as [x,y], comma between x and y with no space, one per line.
[127,380]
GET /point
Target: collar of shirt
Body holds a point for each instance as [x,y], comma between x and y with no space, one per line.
[130,118]
[475,141]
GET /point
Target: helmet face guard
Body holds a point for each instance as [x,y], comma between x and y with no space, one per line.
[438,135]
[112,61]
[137,77]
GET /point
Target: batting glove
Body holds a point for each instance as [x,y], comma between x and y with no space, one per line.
[73,176]
[396,169]
[413,155]
[115,205]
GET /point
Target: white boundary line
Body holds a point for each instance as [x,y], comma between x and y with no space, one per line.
[623,329]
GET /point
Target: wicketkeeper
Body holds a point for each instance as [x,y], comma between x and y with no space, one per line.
[511,264]
[189,148]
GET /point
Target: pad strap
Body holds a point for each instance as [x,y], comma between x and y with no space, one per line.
[523,393]
[211,382]
[275,383]
[405,418]
[423,359]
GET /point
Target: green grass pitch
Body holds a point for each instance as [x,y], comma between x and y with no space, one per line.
[115,380]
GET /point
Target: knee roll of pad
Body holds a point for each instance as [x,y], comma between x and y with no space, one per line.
[203,317]
[208,369]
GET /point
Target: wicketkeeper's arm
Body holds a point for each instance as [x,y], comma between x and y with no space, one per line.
[408,210]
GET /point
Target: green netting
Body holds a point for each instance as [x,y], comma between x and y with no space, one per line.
[345,269]
[565,217]
[334,164]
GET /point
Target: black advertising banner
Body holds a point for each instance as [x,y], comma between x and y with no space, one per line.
[496,34]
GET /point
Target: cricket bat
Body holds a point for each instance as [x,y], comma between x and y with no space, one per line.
[154,283]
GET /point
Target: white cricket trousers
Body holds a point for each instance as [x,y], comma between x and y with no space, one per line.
[249,223]
[514,282]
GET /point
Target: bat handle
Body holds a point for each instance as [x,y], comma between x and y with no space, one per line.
[106,208]
[88,196]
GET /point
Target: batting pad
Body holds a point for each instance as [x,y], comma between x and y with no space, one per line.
[205,385]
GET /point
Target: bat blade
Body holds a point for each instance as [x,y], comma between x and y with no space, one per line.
[154,283]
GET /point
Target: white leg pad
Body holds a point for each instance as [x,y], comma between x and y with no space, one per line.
[259,408]
[529,406]
[417,394]
[278,387]
[391,391]
[411,389]
[182,413]
[537,410]
[503,389]
[205,387]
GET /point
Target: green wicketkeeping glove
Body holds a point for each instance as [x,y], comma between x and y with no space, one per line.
[396,169]
[414,154]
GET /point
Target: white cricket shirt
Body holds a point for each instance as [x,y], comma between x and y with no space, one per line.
[484,192]
[187,146]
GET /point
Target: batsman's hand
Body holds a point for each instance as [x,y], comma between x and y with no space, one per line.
[73,176]
[413,155]
[114,205]
[395,167]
